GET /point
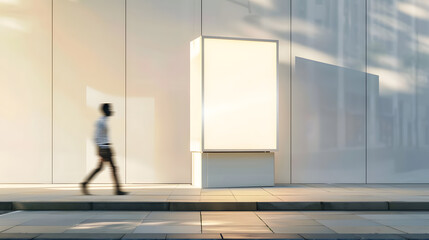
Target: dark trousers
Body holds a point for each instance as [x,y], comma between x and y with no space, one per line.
[107,157]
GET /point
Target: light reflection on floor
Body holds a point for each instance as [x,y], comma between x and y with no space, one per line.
[214,222]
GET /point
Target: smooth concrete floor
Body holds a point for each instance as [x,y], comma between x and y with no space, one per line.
[188,193]
[215,222]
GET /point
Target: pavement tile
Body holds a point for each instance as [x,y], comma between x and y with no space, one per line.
[228,220]
[171,222]
[3,228]
[322,216]
[181,200]
[413,229]
[119,230]
[349,223]
[229,213]
[11,222]
[105,226]
[76,236]
[216,192]
[173,216]
[331,236]
[218,198]
[387,215]
[264,236]
[220,223]
[188,192]
[422,215]
[185,197]
[286,216]
[250,192]
[113,215]
[111,221]
[242,198]
[364,229]
[36,229]
[301,229]
[236,229]
[17,236]
[308,213]
[152,192]
[51,222]
[194,236]
[405,222]
[288,222]
[263,213]
[167,229]
[143,236]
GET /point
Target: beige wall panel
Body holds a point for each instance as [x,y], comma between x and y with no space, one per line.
[25,91]
[89,69]
[158,136]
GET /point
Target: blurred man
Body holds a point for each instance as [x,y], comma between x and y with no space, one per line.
[104,150]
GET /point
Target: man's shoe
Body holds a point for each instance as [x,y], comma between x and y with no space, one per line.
[121,193]
[83,188]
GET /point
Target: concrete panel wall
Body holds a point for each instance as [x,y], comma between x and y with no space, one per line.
[398,123]
[89,69]
[61,59]
[25,91]
[158,71]
[328,91]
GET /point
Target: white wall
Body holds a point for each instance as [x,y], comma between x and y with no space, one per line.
[328,91]
[89,69]
[398,123]
[135,54]
[158,73]
[25,91]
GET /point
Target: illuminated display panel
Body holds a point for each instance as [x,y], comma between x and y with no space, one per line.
[239,85]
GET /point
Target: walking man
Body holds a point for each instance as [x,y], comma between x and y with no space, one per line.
[104,151]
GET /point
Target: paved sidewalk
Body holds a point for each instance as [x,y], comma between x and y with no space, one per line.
[218,223]
[181,197]
[187,193]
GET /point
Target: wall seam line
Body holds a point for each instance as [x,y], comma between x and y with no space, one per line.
[290,91]
[125,91]
[52,91]
[366,91]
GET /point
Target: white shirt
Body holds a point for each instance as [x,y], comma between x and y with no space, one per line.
[101,138]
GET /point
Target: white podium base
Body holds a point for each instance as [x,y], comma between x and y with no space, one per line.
[232,169]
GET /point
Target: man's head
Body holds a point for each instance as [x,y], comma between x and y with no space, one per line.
[107,111]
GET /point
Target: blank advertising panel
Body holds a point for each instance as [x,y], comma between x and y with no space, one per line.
[240,94]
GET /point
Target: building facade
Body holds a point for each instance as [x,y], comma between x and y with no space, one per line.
[353,86]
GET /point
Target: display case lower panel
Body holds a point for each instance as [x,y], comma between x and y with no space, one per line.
[233,169]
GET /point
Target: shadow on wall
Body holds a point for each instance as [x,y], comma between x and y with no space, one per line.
[396,34]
